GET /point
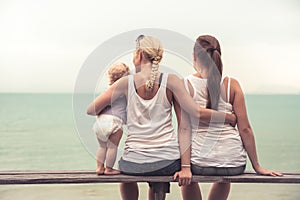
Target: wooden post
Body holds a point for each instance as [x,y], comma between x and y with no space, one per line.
[159,191]
[159,195]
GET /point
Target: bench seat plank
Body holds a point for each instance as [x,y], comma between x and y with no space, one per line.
[75,177]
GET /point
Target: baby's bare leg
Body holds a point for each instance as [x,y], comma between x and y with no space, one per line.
[101,154]
[111,153]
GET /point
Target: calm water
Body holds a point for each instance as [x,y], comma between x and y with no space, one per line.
[37,131]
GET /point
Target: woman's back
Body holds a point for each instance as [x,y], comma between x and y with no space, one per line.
[216,144]
[151,136]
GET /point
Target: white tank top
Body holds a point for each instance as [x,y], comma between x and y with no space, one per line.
[216,144]
[151,136]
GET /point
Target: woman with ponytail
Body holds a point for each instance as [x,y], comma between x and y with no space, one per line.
[218,149]
[151,146]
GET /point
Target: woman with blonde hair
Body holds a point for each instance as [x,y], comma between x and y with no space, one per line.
[151,146]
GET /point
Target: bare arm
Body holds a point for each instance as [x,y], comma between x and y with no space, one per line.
[189,105]
[110,95]
[245,129]
[184,139]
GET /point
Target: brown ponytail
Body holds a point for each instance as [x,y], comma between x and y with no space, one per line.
[207,50]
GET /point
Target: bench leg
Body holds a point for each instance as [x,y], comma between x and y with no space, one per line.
[159,194]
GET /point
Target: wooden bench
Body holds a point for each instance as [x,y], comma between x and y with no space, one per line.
[73,177]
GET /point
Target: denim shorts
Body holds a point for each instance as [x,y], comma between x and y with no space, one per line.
[159,168]
[217,171]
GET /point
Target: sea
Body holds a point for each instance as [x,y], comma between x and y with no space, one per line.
[40,132]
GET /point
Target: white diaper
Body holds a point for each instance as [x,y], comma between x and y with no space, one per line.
[106,125]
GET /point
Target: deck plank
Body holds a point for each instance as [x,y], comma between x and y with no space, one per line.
[75,177]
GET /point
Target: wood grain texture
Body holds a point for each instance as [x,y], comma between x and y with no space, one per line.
[75,177]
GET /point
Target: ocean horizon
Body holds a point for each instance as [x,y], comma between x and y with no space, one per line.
[38,132]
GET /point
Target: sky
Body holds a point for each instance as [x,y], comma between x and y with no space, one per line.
[43,44]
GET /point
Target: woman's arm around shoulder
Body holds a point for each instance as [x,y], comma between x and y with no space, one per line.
[239,107]
[187,103]
[117,89]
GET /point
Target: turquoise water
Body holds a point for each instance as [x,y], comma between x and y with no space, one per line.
[37,131]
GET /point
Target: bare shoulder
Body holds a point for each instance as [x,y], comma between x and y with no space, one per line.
[235,85]
[173,80]
[173,77]
[236,94]
[122,83]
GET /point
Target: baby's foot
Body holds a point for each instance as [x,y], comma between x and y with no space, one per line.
[111,171]
[100,170]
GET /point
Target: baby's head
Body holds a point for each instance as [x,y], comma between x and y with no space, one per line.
[116,71]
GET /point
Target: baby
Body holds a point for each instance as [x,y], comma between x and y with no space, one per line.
[108,125]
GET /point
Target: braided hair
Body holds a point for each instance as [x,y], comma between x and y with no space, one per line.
[153,51]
